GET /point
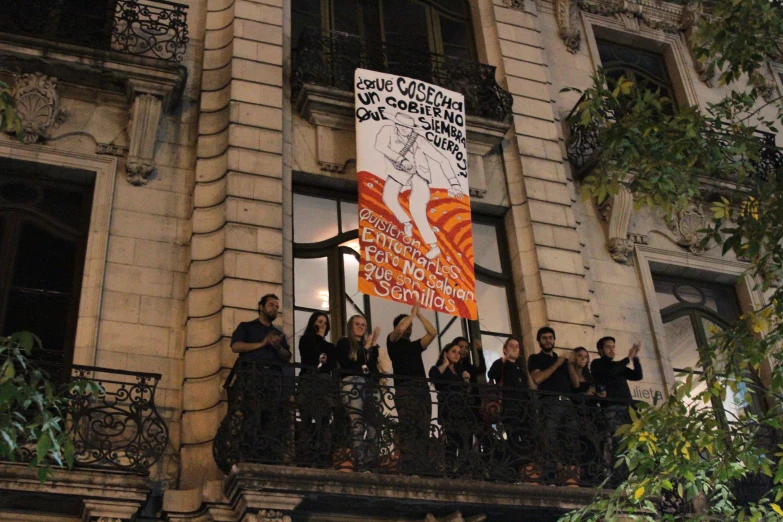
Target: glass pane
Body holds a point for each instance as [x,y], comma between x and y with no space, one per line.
[315,219]
[65,205]
[44,262]
[450,327]
[664,293]
[681,341]
[304,13]
[493,308]
[346,16]
[311,283]
[456,38]
[493,348]
[354,300]
[723,301]
[300,323]
[349,214]
[485,247]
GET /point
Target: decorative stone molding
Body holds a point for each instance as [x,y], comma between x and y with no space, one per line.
[517,5]
[37,105]
[111,150]
[145,115]
[691,16]
[567,16]
[617,242]
[108,511]
[687,224]
[655,14]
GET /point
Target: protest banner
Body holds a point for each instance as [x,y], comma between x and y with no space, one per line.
[414,205]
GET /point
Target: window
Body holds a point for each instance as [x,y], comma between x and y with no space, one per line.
[646,69]
[326,271]
[438,26]
[44,221]
[691,312]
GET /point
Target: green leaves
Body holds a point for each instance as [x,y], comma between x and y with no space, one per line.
[33,409]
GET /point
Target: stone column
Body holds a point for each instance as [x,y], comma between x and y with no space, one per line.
[549,272]
[236,251]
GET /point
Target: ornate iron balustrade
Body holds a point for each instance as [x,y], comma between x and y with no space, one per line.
[120,428]
[583,150]
[329,58]
[152,28]
[350,423]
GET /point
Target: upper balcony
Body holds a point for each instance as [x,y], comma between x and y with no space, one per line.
[112,45]
[329,58]
[584,152]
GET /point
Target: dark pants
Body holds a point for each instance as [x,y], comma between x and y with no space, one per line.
[560,434]
[615,415]
[414,412]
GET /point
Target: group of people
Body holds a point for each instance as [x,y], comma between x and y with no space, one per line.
[471,417]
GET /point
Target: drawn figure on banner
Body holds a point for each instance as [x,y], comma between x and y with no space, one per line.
[409,158]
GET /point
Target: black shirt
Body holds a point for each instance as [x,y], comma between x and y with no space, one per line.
[405,356]
[558,382]
[364,357]
[255,332]
[465,366]
[311,346]
[615,376]
[508,375]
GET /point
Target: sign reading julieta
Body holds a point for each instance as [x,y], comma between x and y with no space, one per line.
[414,209]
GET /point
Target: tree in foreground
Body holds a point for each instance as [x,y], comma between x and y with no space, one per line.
[689,450]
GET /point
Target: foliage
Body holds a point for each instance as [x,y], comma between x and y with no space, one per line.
[683,448]
[9,121]
[33,408]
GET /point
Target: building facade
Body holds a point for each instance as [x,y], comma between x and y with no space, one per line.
[179,161]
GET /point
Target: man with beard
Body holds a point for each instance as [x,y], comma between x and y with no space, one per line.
[412,395]
[550,374]
[259,383]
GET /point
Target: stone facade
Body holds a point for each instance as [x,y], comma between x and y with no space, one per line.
[192,222]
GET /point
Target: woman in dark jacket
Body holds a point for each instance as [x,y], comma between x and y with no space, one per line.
[357,354]
[453,409]
[317,392]
[591,432]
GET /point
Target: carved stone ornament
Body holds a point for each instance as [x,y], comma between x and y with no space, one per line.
[692,14]
[687,225]
[618,244]
[517,5]
[143,129]
[455,517]
[270,515]
[566,13]
[37,105]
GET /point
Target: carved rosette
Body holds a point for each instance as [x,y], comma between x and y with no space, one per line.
[688,225]
[37,105]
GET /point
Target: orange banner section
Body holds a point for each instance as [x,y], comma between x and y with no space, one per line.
[394,260]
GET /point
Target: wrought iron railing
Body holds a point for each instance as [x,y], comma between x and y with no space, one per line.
[583,150]
[359,424]
[152,28]
[329,58]
[120,427]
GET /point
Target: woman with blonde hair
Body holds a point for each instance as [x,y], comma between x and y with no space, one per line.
[357,354]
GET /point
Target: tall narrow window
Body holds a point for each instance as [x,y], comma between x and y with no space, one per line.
[44,223]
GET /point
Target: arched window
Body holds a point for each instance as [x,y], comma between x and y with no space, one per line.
[646,69]
[435,26]
[326,272]
[692,311]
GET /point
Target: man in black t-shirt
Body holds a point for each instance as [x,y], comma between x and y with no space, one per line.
[412,396]
[550,374]
[263,382]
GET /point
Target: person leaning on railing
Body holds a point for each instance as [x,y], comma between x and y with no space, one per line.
[454,414]
[591,426]
[515,415]
[263,349]
[357,355]
[317,393]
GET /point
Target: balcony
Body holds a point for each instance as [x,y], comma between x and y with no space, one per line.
[119,429]
[583,150]
[296,431]
[329,58]
[154,28]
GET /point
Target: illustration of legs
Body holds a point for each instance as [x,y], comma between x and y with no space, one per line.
[391,197]
[420,196]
